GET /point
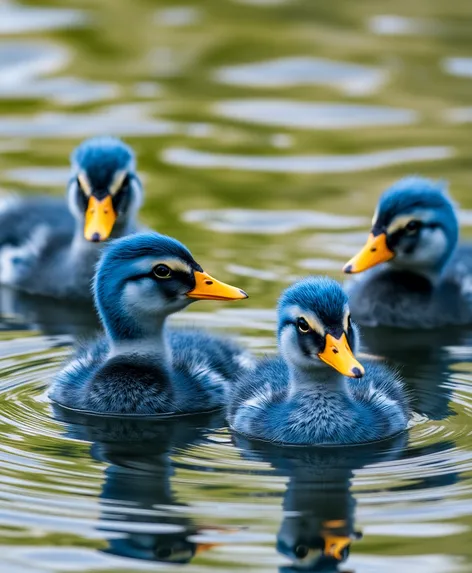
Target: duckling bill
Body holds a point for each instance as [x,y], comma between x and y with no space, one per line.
[417,275]
[141,366]
[316,391]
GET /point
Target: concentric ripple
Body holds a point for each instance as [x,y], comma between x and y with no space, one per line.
[112,495]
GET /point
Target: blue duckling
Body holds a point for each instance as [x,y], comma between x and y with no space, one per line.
[316,392]
[49,246]
[426,282]
[140,366]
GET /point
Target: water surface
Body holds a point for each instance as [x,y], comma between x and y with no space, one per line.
[265,131]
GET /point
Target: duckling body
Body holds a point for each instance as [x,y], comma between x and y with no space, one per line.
[265,406]
[316,392]
[141,366]
[424,280]
[50,247]
[193,378]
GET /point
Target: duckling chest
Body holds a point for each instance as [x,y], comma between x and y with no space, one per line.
[329,418]
[403,299]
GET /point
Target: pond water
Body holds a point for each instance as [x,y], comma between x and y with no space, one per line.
[265,131]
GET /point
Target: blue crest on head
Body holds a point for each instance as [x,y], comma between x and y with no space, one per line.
[414,193]
[126,249]
[118,264]
[321,295]
[101,158]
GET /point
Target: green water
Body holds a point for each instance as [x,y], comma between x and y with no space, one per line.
[264,131]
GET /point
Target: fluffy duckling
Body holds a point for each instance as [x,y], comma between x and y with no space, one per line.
[316,392]
[50,247]
[426,282]
[140,366]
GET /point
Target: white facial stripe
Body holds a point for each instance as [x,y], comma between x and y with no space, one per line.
[313,321]
[175,264]
[402,221]
[375,217]
[117,182]
[347,312]
[84,184]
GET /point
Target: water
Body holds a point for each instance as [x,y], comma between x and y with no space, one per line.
[265,130]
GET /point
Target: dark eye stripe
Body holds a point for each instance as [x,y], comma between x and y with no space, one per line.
[303,325]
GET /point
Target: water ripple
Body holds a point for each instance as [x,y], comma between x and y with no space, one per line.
[121,120]
[303,115]
[352,79]
[269,222]
[22,65]
[17,19]
[186,157]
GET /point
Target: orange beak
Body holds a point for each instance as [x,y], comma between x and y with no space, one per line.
[99,219]
[338,355]
[374,252]
[208,288]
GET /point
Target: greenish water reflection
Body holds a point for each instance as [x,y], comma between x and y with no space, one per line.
[265,130]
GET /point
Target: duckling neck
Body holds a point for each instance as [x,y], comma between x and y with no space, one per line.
[146,340]
[316,378]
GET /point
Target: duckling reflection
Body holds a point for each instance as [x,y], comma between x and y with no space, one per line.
[424,361]
[23,311]
[318,527]
[141,517]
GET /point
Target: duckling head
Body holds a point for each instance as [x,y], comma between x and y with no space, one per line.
[414,226]
[315,327]
[104,191]
[143,278]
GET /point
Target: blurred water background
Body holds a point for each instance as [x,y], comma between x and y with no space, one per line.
[265,131]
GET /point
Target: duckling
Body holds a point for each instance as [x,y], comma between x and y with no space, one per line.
[306,396]
[426,282]
[140,366]
[50,247]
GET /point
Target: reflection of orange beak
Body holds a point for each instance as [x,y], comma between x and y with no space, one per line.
[335,545]
[338,354]
[202,547]
[374,252]
[99,219]
[208,288]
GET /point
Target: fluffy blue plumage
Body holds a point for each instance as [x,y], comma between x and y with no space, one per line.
[416,194]
[101,158]
[141,366]
[298,398]
[118,254]
[324,298]
[425,284]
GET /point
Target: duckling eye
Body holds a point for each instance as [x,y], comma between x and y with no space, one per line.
[162,272]
[303,325]
[413,226]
